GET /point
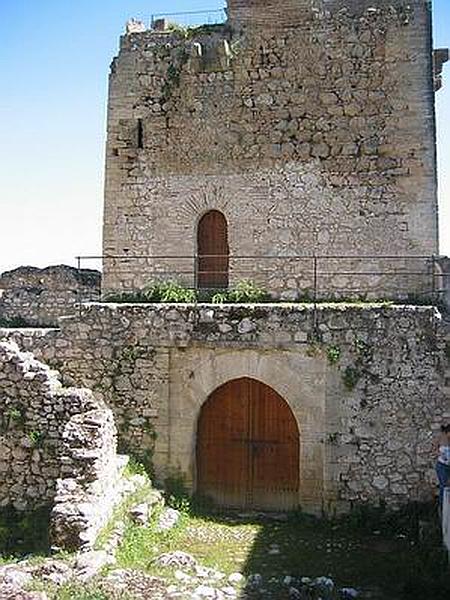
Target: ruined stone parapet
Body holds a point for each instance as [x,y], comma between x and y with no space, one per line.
[40,296]
[271,14]
[440,57]
[57,448]
[35,410]
[90,485]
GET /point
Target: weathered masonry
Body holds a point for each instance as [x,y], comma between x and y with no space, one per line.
[307,125]
[57,449]
[321,421]
[38,297]
[291,145]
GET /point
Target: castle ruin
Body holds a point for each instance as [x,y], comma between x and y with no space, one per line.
[297,129]
[293,145]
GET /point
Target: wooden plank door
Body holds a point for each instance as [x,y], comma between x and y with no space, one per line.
[274,451]
[213,251]
[222,456]
[248,448]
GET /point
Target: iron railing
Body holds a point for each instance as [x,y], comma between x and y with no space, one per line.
[192,18]
[318,277]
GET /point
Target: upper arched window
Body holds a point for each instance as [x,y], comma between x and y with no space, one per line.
[213,251]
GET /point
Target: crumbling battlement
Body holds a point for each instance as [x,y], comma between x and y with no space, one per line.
[40,296]
[291,13]
[35,410]
[57,449]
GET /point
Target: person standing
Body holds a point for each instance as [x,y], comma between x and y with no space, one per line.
[443,461]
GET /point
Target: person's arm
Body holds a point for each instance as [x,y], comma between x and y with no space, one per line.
[436,444]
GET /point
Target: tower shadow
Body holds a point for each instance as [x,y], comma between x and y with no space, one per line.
[296,555]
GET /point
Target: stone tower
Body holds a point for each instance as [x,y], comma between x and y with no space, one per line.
[269,13]
[300,128]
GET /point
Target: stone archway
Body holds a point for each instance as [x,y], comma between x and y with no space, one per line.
[248,448]
[298,378]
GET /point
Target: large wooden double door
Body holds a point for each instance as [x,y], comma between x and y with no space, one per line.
[248,448]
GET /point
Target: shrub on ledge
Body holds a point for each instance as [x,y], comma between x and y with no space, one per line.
[243,293]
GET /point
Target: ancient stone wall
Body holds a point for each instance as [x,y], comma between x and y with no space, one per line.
[40,296]
[364,383]
[57,449]
[90,487]
[313,139]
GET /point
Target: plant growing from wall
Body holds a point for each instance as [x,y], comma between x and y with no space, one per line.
[244,292]
[353,373]
[350,377]
[173,75]
[141,456]
[36,438]
[206,29]
[132,353]
[333,438]
[305,297]
[126,297]
[333,354]
[247,291]
[173,292]
[169,291]
[14,323]
[13,416]
[220,298]
[364,351]
[181,30]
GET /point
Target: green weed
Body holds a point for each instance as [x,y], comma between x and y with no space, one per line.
[14,323]
[350,377]
[333,354]
[92,591]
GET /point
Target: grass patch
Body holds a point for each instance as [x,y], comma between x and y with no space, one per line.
[121,512]
[356,551]
[79,591]
[394,555]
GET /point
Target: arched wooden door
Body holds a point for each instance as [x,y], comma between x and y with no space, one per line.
[213,251]
[248,448]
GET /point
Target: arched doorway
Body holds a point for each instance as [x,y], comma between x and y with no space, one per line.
[213,251]
[248,448]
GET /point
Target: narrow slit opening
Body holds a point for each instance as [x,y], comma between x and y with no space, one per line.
[140,134]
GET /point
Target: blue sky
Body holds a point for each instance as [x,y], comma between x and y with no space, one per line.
[54,67]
